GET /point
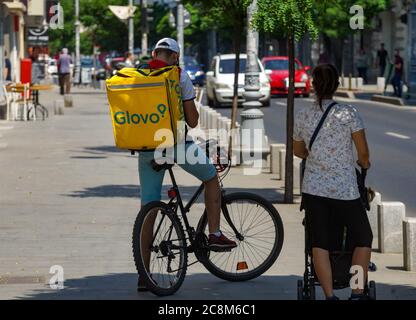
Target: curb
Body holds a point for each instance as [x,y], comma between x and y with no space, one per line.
[391,100]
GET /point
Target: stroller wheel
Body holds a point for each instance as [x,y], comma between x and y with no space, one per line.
[372,290]
[300,290]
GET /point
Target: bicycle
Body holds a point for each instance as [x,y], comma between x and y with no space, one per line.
[249,219]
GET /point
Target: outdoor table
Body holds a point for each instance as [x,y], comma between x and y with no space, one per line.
[36,104]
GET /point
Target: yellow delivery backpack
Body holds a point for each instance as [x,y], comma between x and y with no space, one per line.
[146,108]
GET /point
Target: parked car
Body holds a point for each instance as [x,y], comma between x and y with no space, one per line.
[277,69]
[88,63]
[194,70]
[115,65]
[52,67]
[220,81]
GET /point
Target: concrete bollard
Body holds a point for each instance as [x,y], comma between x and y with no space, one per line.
[59,106]
[275,157]
[282,163]
[390,228]
[202,112]
[373,218]
[359,83]
[69,103]
[409,244]
[210,118]
[381,83]
[219,122]
[103,85]
[214,120]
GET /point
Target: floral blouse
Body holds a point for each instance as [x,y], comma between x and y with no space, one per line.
[330,167]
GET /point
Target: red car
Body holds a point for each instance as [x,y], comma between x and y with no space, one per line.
[277,69]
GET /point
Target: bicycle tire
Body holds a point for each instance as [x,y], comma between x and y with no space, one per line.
[274,253]
[150,283]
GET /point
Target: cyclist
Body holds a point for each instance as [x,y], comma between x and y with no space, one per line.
[166,53]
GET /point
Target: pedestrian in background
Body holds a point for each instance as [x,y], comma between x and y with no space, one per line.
[362,64]
[382,57]
[7,76]
[396,81]
[323,57]
[129,60]
[330,192]
[64,71]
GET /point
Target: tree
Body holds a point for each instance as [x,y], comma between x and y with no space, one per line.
[101,27]
[333,21]
[293,18]
[228,13]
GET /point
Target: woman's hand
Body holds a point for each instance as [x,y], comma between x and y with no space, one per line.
[299,149]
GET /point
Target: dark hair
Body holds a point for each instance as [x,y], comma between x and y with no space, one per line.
[325,81]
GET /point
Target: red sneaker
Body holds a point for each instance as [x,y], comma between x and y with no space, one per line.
[221,243]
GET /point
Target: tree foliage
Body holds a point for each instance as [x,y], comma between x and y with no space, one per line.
[333,16]
[287,17]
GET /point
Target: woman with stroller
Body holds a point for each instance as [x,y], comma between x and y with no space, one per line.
[330,193]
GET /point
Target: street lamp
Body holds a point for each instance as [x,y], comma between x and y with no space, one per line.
[252,117]
[180,28]
[77,73]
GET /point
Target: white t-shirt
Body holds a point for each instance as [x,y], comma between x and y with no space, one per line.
[188,92]
[330,167]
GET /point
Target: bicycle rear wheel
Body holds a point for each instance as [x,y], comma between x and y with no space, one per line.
[261,228]
[159,249]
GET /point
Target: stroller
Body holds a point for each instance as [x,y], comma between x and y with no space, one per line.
[341,258]
[340,265]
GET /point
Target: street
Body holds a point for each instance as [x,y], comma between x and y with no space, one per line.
[391,134]
[69,199]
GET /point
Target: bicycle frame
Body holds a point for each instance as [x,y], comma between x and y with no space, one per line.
[185,209]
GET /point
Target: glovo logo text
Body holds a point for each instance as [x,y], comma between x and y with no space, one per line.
[123,118]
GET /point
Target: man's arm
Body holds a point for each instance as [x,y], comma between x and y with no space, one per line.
[191,113]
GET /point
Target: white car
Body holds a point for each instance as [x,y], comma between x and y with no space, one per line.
[220,81]
[52,67]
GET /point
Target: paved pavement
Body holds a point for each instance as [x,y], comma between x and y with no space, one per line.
[69,198]
[392,138]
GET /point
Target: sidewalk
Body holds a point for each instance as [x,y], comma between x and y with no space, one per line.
[367,92]
[69,198]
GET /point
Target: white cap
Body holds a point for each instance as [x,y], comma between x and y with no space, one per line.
[168,43]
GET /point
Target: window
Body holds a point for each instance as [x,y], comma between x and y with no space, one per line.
[190,62]
[281,64]
[227,66]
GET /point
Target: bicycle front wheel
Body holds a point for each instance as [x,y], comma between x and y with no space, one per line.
[159,249]
[261,228]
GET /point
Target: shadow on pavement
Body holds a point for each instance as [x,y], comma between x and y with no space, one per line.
[89,158]
[200,286]
[133,191]
[106,149]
